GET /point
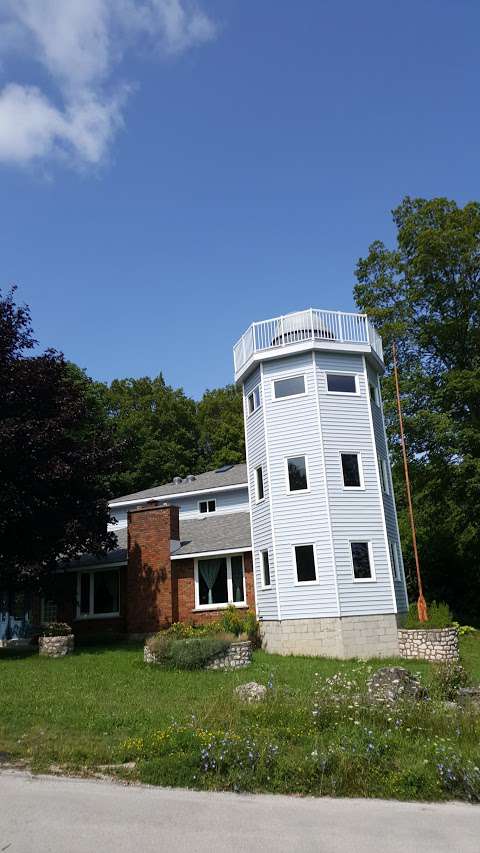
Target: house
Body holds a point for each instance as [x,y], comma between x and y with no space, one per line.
[305,532]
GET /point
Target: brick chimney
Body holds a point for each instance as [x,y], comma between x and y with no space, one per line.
[149,576]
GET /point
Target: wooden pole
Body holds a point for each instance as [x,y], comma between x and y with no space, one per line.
[421,603]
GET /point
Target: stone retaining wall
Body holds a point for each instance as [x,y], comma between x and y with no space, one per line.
[429,643]
[56,647]
[236,656]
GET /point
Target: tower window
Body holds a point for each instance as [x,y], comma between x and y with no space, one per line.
[265,568]
[291,387]
[394,559]
[259,490]
[362,560]
[305,563]
[383,470]
[253,400]
[342,383]
[351,470]
[374,393]
[297,476]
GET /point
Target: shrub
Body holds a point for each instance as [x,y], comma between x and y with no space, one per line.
[196,652]
[252,628]
[448,678]
[160,645]
[232,621]
[464,630]
[55,629]
[439,616]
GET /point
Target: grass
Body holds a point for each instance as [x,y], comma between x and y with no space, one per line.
[314,734]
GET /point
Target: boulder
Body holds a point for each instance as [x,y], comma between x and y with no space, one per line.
[392,684]
[469,697]
[251,692]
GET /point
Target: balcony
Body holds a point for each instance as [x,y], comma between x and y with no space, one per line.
[295,332]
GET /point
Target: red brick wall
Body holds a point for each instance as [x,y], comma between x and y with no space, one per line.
[183,592]
[149,577]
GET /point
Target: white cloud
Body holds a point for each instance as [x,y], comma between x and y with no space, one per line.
[79,43]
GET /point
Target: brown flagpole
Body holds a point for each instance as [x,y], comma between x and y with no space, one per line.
[421,603]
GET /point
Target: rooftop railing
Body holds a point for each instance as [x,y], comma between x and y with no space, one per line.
[302,326]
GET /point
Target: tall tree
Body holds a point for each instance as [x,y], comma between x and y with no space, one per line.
[221,429]
[56,457]
[425,294]
[158,425]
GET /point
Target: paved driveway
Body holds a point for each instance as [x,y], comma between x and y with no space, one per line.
[40,814]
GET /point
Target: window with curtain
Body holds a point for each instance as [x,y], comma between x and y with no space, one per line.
[220,581]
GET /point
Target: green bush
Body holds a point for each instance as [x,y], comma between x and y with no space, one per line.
[233,621]
[160,645]
[439,616]
[56,629]
[195,653]
[448,678]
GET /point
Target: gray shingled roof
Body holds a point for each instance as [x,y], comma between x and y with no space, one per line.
[197,536]
[235,476]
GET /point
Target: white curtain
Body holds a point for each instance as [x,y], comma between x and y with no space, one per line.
[209,570]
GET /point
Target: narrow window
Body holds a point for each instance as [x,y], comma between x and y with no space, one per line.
[265,568]
[342,383]
[85,594]
[253,400]
[373,393]
[207,506]
[305,563]
[238,590]
[291,387]
[362,568]
[382,467]
[394,559]
[259,491]
[351,470]
[297,474]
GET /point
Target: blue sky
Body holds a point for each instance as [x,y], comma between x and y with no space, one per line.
[183,171]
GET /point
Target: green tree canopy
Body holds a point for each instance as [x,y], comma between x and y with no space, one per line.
[221,428]
[425,295]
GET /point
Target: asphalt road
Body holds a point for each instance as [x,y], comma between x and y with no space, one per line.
[58,815]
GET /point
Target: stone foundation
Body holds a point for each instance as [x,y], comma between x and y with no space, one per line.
[429,644]
[236,656]
[56,647]
[335,637]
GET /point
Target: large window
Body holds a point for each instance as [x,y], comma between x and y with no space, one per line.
[291,387]
[219,581]
[362,560]
[265,565]
[305,563]
[297,474]
[342,383]
[253,400]
[259,490]
[352,470]
[98,593]
[207,506]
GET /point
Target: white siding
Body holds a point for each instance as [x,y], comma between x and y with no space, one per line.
[235,500]
[260,512]
[354,515]
[388,500]
[293,430]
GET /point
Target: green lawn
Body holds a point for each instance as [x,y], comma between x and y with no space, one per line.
[105,706]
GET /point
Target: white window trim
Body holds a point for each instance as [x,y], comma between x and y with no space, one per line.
[264,585]
[223,606]
[384,478]
[373,577]
[91,614]
[294,560]
[252,394]
[295,375]
[255,477]
[207,501]
[290,491]
[394,558]
[361,487]
[355,393]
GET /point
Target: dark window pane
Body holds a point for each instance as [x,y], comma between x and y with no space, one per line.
[212,506]
[18,606]
[203,506]
[351,471]
[289,387]
[85,593]
[259,475]
[361,560]
[297,473]
[373,393]
[305,563]
[342,382]
[265,568]
[212,581]
[105,592]
[237,579]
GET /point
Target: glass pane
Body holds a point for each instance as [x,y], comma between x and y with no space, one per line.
[211,506]
[237,579]
[351,471]
[361,560]
[18,606]
[84,593]
[297,473]
[289,387]
[305,563]
[266,568]
[105,592]
[212,581]
[341,382]
[203,506]
[260,492]
[256,397]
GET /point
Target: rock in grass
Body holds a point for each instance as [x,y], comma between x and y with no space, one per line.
[251,692]
[469,697]
[391,684]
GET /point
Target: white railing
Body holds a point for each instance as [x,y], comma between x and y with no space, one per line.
[312,324]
